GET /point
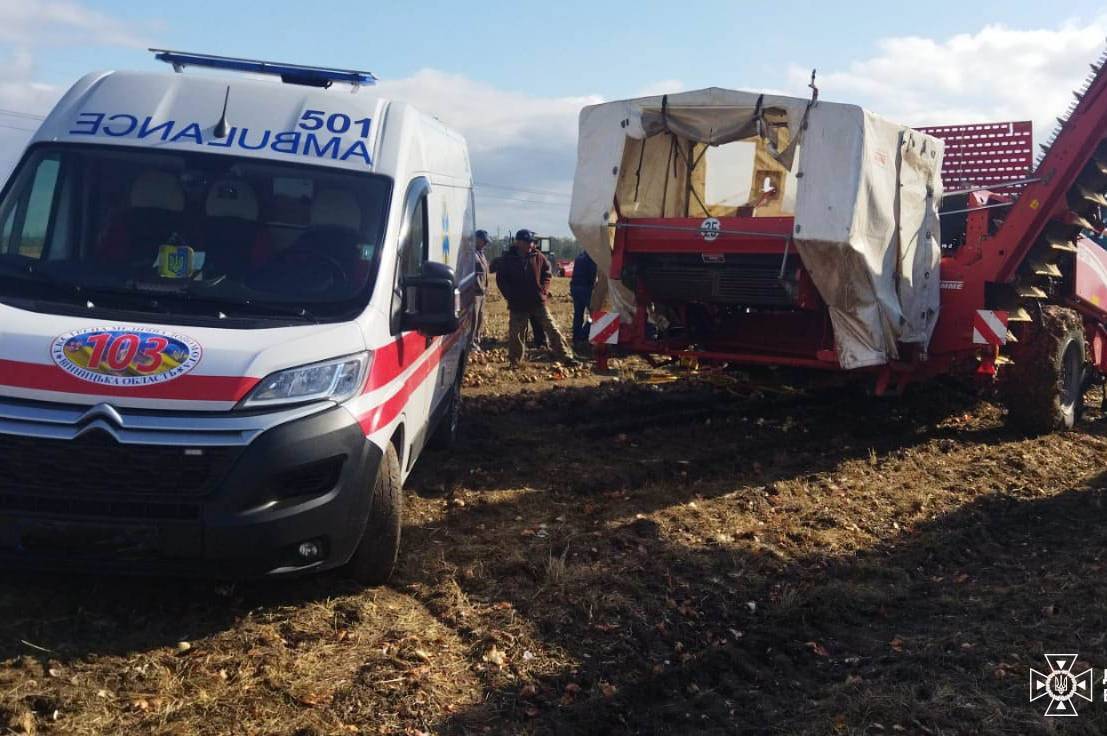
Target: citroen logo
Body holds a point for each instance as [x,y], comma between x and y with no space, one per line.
[101,411]
[103,417]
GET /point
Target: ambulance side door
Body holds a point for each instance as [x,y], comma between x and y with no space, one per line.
[456,238]
[413,253]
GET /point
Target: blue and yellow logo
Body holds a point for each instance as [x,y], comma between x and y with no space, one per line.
[118,356]
[176,261]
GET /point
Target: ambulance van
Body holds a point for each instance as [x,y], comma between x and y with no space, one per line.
[234,309]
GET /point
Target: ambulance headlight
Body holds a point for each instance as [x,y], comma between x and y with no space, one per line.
[332,380]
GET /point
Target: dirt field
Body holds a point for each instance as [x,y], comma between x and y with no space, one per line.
[613,555]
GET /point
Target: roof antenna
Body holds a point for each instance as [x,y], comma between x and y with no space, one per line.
[813,88]
[221,127]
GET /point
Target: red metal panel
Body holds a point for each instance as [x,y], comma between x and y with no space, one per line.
[683,235]
[985,153]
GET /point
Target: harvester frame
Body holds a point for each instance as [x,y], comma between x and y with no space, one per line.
[1017,268]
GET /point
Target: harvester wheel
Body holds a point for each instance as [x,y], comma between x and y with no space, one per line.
[1043,390]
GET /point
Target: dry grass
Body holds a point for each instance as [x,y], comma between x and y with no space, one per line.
[611,556]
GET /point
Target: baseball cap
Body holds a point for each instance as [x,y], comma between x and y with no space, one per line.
[525,235]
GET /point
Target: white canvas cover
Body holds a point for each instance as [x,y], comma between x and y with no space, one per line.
[866,208]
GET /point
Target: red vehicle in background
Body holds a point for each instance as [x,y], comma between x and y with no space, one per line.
[1022,290]
[564,268]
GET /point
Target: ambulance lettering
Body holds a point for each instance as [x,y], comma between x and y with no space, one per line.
[321,134]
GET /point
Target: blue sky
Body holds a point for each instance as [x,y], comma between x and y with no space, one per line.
[512,77]
[562,48]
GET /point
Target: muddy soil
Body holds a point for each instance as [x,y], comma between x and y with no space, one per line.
[629,553]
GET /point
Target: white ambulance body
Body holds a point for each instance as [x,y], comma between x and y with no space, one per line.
[232,313]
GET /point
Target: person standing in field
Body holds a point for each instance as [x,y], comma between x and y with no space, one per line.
[523,276]
[580,288]
[481,274]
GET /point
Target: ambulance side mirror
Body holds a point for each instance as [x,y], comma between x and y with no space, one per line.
[433,301]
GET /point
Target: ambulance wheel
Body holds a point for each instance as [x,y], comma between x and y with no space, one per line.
[445,434]
[375,556]
[1044,389]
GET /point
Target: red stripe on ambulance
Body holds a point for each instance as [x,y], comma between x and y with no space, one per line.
[383,414]
[190,387]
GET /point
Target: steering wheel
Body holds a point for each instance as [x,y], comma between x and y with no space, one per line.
[303,269]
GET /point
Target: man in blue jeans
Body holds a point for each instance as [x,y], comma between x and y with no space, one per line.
[580,288]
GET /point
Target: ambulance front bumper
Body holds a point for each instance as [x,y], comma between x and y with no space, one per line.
[219,495]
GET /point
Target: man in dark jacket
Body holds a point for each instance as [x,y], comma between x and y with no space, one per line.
[481,288]
[523,276]
[580,288]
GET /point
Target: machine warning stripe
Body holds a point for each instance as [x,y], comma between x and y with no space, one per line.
[989,327]
[604,329]
[191,387]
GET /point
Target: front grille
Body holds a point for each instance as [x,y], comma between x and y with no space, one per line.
[106,508]
[95,466]
[740,280]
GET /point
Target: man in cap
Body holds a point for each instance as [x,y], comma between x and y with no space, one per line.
[523,276]
[481,273]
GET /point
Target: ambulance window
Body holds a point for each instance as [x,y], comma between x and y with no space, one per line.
[27,225]
[413,252]
[415,245]
[6,231]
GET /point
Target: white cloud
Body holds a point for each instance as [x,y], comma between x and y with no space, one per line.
[525,141]
[39,23]
[19,91]
[995,74]
[21,94]
[27,28]
[516,140]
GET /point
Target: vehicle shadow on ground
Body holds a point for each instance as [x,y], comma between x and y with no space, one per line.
[59,618]
[598,586]
[708,437]
[932,631]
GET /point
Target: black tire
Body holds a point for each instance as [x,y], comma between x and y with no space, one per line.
[1043,390]
[445,434]
[375,556]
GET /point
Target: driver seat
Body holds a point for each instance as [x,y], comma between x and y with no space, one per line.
[335,231]
[234,241]
[156,212]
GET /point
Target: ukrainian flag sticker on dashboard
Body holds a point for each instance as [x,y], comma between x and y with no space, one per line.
[175,261]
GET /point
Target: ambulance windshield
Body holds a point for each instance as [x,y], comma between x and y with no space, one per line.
[190,235]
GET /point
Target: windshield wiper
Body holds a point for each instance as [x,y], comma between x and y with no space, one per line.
[270,308]
[195,295]
[159,299]
[43,277]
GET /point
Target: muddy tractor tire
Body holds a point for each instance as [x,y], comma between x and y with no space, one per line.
[1043,389]
[376,553]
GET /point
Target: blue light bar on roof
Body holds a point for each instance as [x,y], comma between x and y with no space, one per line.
[313,76]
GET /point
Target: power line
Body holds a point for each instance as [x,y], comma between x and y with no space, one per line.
[518,189]
[13,127]
[559,205]
[18,114]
